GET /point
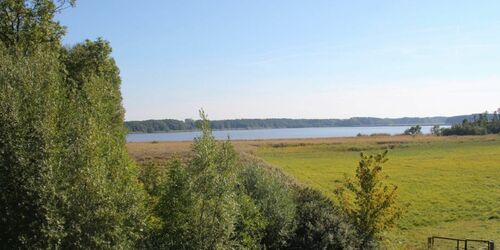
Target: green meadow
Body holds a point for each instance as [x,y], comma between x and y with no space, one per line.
[450,185]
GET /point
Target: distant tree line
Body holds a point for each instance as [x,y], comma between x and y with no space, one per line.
[167,125]
[479,125]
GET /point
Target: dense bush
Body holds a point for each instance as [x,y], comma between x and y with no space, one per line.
[275,200]
[413,130]
[176,211]
[320,224]
[464,130]
[66,180]
[483,124]
[29,192]
[198,206]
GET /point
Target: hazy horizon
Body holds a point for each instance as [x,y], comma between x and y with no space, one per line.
[295,59]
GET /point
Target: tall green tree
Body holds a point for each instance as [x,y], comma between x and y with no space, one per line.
[213,171]
[368,202]
[320,223]
[100,183]
[30,89]
[275,201]
[414,130]
[65,177]
[26,25]
[199,204]
[436,130]
[175,210]
[250,225]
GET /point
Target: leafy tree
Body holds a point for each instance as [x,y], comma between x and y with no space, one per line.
[482,121]
[320,224]
[251,223]
[103,200]
[483,124]
[213,171]
[66,178]
[199,207]
[414,130]
[436,130]
[29,198]
[152,175]
[275,200]
[29,24]
[368,202]
[176,210]
[493,126]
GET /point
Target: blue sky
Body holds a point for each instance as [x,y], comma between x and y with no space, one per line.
[298,59]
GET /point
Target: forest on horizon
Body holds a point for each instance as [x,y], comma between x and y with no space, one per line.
[167,125]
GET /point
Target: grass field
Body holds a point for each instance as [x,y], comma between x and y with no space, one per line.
[451,183]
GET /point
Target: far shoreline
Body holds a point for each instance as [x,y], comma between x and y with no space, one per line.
[238,129]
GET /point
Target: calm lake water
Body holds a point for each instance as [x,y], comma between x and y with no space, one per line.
[284,133]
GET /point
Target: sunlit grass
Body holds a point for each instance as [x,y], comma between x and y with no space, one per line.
[451,184]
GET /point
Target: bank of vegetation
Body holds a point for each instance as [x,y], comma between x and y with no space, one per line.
[67,182]
[481,124]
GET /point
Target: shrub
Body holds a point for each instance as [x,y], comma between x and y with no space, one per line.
[436,130]
[251,224]
[199,205]
[320,224]
[30,89]
[414,130]
[275,201]
[65,177]
[176,211]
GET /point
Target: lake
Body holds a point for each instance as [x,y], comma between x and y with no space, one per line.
[282,133]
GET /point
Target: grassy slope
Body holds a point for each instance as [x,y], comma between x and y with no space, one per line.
[452,184]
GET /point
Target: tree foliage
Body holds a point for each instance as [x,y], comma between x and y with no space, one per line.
[320,223]
[414,130]
[26,25]
[482,124]
[29,199]
[251,223]
[436,130]
[275,201]
[66,180]
[368,202]
[199,207]
[176,210]
[101,182]
[213,171]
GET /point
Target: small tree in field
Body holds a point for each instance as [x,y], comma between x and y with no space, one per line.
[436,130]
[414,130]
[368,202]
